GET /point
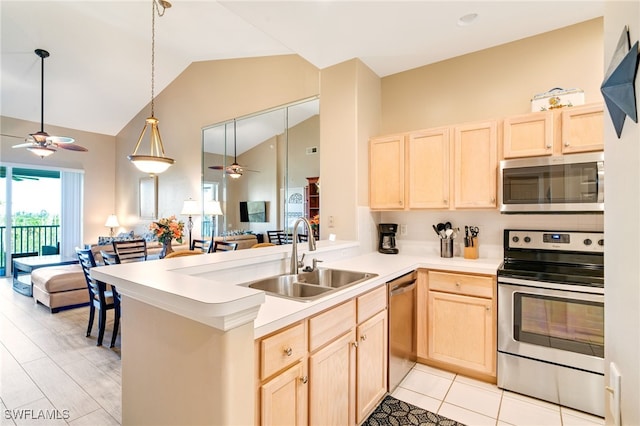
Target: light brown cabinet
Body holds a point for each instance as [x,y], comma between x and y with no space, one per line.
[475,165]
[457,322]
[386,172]
[345,349]
[564,131]
[440,164]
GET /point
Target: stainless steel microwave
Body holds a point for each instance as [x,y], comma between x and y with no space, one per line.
[572,183]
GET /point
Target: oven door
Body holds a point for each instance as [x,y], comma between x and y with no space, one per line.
[555,325]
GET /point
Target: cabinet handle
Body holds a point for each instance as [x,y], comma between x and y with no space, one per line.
[567,144]
[288,351]
[400,203]
[446,201]
[355,344]
[363,337]
[549,146]
[304,380]
[493,199]
[487,308]
[457,284]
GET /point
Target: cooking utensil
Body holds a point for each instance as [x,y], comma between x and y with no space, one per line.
[436,230]
[448,232]
[447,225]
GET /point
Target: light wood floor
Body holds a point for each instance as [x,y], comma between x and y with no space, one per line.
[50,373]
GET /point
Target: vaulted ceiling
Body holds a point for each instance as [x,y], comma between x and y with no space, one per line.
[98,75]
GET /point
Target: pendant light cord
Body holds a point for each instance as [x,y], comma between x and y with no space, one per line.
[153,50]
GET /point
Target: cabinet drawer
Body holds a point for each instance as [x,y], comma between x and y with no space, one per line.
[328,325]
[371,303]
[281,350]
[472,285]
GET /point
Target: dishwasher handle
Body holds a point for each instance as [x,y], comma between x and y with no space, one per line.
[402,288]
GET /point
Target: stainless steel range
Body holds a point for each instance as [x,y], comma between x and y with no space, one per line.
[551,317]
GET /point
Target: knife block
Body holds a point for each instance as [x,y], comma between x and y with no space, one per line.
[471,252]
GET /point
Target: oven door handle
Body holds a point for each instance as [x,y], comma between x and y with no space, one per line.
[552,286]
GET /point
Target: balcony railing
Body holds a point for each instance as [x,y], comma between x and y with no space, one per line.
[32,239]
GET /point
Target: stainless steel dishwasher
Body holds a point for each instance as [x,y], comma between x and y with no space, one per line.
[402,327]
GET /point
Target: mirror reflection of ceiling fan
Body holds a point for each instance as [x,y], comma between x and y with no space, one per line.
[41,143]
[234,170]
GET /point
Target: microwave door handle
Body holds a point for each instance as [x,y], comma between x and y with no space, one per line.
[600,182]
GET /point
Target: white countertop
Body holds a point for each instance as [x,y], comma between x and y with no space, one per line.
[205,288]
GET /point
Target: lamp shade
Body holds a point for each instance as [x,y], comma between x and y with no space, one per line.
[190,208]
[112,221]
[213,208]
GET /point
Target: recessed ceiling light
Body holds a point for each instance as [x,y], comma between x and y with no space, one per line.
[467,19]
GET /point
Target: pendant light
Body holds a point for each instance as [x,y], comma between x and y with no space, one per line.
[41,143]
[155,162]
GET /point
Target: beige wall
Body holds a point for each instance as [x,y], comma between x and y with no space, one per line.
[205,93]
[622,206]
[98,166]
[494,82]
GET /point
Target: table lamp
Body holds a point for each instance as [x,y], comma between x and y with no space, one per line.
[190,208]
[112,222]
[213,208]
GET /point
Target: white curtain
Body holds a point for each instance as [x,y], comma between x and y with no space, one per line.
[71,213]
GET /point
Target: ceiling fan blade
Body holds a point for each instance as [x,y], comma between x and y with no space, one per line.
[60,139]
[12,136]
[216,167]
[70,147]
[25,145]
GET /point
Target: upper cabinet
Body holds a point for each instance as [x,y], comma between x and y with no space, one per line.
[386,172]
[475,165]
[565,131]
[427,169]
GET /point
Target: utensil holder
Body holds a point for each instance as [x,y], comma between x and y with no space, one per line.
[471,252]
[446,247]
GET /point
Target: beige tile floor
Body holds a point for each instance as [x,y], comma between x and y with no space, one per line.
[473,402]
[49,367]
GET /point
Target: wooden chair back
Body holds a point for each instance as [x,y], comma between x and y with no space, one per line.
[109,258]
[274,236]
[200,245]
[223,246]
[131,250]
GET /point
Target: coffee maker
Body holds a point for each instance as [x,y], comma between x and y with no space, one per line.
[387,238]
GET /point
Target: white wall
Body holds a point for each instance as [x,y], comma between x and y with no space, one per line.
[622,228]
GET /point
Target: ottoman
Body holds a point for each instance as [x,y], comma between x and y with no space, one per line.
[60,287]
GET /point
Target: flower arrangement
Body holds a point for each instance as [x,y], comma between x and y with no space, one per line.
[315,221]
[167,228]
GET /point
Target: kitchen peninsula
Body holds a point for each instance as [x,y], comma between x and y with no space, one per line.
[188,329]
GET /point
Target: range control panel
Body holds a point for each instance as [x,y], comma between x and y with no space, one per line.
[592,242]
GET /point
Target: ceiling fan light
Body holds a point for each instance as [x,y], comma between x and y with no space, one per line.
[41,151]
[235,174]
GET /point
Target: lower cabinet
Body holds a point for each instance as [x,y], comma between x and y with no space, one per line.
[284,398]
[457,322]
[345,349]
[332,375]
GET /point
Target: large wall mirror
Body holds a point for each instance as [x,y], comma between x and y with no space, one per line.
[277,152]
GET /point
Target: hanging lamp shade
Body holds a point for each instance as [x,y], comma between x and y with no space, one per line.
[155,161]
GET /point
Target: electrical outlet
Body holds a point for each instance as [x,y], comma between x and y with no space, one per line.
[403,229]
[332,222]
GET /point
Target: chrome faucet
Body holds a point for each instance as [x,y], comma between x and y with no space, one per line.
[295,264]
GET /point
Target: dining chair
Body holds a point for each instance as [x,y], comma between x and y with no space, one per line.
[101,298]
[201,245]
[274,237]
[131,250]
[109,258]
[223,246]
[303,238]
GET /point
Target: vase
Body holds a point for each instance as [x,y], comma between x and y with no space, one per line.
[166,248]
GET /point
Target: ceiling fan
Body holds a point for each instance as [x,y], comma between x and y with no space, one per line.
[235,170]
[41,143]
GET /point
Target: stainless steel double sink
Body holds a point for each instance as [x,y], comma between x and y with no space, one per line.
[308,286]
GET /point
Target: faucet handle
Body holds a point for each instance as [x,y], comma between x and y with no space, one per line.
[315,263]
[301,261]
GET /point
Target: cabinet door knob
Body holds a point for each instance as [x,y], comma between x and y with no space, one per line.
[567,144]
[355,344]
[488,308]
[446,201]
[304,380]
[288,351]
[493,199]
[363,337]
[457,284]
[548,146]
